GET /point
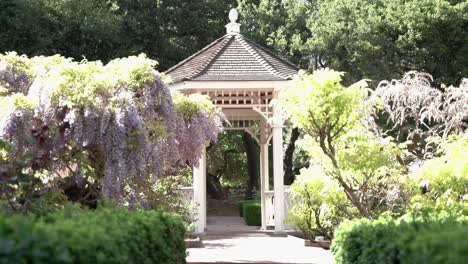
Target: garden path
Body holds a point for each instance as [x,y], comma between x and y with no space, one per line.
[229,240]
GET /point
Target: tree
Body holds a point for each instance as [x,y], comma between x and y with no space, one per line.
[363,166]
[167,31]
[279,25]
[414,111]
[384,39]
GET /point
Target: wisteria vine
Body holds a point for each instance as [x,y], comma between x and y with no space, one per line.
[116,124]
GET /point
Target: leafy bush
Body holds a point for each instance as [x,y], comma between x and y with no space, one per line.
[442,182]
[253,214]
[353,172]
[435,238]
[109,235]
[242,204]
[320,205]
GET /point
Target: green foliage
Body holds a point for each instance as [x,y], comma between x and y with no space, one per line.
[316,100]
[385,38]
[346,156]
[442,182]
[168,31]
[279,25]
[165,195]
[436,237]
[228,159]
[319,205]
[107,235]
[252,214]
[242,205]
[190,105]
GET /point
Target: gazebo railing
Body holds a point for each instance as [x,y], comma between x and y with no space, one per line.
[270,205]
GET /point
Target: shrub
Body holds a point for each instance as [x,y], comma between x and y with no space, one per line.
[430,239]
[442,182]
[253,214]
[109,235]
[241,206]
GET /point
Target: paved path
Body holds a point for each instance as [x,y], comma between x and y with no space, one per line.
[228,240]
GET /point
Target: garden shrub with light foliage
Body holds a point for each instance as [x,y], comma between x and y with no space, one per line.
[104,235]
[353,172]
[112,129]
[417,237]
[442,182]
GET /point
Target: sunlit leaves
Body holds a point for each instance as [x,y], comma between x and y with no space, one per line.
[443,181]
[319,103]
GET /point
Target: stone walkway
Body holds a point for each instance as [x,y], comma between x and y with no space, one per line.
[228,240]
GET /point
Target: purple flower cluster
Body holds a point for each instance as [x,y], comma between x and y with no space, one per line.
[128,135]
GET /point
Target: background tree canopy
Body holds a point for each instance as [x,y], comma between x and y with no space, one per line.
[367,39]
[167,31]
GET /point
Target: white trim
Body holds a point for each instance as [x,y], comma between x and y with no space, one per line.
[231,85]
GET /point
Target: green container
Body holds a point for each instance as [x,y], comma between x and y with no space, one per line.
[253,214]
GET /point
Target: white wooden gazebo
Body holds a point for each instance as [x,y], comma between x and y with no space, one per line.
[241,78]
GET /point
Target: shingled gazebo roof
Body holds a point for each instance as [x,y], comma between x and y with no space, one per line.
[233,57]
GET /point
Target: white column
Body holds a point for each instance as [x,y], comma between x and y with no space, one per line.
[199,193]
[263,180]
[278,179]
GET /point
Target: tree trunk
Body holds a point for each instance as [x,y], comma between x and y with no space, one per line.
[214,188]
[252,151]
[288,157]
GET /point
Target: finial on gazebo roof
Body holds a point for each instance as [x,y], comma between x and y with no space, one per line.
[233,27]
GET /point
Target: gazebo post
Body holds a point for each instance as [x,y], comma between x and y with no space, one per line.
[263,173]
[199,193]
[278,178]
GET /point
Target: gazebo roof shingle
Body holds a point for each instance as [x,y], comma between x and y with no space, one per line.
[233,57]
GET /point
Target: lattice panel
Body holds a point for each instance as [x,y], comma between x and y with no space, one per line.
[254,99]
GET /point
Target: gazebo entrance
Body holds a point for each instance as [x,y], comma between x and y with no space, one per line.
[242,79]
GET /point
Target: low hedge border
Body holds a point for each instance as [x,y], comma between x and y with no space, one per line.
[404,240]
[253,214]
[244,202]
[110,235]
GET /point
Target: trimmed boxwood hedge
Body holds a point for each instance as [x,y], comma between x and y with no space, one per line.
[253,214]
[242,203]
[405,240]
[110,235]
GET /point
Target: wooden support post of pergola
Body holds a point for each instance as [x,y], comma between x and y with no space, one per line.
[278,179]
[264,171]
[199,193]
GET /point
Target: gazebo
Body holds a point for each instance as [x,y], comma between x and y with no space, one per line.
[241,78]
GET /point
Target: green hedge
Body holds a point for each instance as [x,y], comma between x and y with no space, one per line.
[253,214]
[244,202]
[101,236]
[405,240]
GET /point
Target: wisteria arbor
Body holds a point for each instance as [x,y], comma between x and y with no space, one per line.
[243,80]
[115,125]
